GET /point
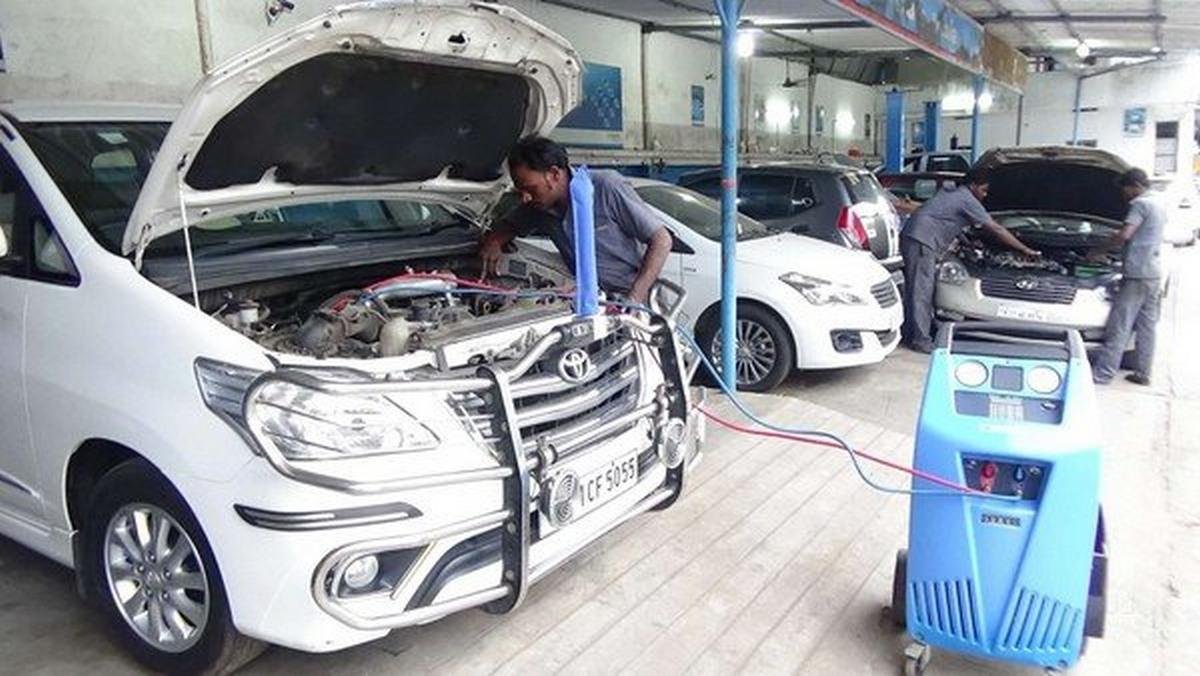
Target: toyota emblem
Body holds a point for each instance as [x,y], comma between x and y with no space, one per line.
[1026,284]
[574,365]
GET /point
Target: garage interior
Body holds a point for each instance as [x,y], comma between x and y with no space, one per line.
[777,558]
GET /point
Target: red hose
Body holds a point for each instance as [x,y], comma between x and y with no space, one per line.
[932,478]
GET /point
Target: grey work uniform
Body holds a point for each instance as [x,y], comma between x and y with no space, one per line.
[1136,307]
[624,225]
[930,231]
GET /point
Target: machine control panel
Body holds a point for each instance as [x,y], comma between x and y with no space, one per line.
[1002,477]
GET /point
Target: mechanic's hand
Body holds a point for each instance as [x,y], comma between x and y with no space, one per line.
[490,253]
[1032,253]
[639,295]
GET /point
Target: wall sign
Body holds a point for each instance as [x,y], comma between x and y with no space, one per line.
[697,105]
[1135,122]
[599,120]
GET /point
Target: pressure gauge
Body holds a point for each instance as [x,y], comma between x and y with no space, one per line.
[1043,379]
[971,373]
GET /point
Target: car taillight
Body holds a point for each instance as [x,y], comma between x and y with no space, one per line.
[852,226]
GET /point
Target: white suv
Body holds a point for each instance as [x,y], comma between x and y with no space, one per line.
[244,391]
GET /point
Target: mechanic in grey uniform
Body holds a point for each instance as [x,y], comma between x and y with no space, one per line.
[929,233]
[1137,304]
[631,243]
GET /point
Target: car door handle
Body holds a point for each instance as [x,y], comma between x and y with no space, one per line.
[689,269]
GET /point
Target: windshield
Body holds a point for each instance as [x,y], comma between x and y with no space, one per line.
[315,222]
[100,167]
[1054,223]
[863,187]
[697,212]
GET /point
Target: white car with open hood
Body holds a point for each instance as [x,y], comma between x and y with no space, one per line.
[247,394]
[1062,201]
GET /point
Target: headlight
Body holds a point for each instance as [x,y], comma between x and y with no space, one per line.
[820,291]
[953,272]
[306,424]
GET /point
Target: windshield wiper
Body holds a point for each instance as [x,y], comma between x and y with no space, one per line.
[240,244]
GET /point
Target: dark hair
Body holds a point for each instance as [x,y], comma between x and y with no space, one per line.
[538,153]
[1134,176]
[978,175]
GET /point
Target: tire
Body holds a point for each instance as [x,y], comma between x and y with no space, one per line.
[196,634]
[899,607]
[764,329]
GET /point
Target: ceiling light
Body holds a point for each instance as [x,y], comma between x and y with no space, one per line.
[745,43]
[1082,50]
[1156,50]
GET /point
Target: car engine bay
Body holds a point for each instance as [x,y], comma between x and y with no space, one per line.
[426,305]
[1058,259]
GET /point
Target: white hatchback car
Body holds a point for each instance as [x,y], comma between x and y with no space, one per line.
[244,390]
[803,303]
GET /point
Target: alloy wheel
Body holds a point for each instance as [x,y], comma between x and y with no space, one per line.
[756,352]
[156,577]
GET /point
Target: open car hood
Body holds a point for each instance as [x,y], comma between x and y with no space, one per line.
[376,98]
[1055,179]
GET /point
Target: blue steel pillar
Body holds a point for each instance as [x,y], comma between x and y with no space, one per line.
[893,155]
[729,11]
[975,118]
[1078,103]
[933,118]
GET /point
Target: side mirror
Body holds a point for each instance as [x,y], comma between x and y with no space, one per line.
[3,244]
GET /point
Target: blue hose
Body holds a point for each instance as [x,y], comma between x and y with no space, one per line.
[587,291]
[741,406]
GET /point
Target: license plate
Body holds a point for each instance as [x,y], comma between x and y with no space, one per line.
[1022,313]
[607,482]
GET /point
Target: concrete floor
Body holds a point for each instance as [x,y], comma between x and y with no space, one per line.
[777,560]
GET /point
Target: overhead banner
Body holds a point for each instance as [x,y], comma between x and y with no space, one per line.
[935,26]
[1004,64]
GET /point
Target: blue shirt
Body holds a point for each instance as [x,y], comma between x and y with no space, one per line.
[1142,253]
[624,225]
[940,219]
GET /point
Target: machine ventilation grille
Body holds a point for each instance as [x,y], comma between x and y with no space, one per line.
[1039,623]
[948,607]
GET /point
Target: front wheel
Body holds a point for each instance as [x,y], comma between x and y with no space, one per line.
[153,575]
[765,354]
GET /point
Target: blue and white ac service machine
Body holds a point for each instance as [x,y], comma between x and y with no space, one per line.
[1014,570]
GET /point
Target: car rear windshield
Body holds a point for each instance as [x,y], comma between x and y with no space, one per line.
[99,167]
[863,187]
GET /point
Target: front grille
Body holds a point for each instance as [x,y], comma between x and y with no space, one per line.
[555,411]
[885,293]
[1036,289]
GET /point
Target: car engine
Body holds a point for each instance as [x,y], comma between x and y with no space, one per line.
[415,310]
[1064,261]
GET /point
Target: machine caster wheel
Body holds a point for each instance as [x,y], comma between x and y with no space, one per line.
[899,583]
[916,658]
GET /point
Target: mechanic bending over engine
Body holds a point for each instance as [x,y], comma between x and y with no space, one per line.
[631,243]
[1137,304]
[929,233]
